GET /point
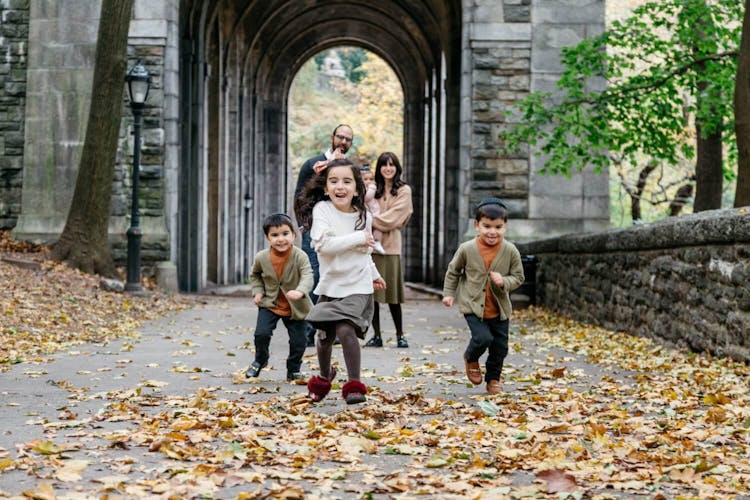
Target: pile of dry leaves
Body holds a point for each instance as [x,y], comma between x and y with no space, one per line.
[44,305]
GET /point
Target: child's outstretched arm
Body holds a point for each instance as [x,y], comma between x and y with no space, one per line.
[453,274]
[256,281]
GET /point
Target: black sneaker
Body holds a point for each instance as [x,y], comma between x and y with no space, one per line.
[401,342]
[374,342]
[294,376]
[254,370]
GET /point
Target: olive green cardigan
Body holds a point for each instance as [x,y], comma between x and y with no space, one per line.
[297,275]
[466,278]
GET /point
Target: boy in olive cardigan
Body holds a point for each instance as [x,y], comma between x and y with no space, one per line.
[480,278]
[281,280]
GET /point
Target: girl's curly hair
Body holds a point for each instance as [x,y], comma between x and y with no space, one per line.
[314,191]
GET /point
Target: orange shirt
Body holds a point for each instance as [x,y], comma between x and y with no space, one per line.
[278,261]
[488,253]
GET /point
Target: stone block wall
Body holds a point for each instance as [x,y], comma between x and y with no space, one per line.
[501,75]
[682,280]
[14,35]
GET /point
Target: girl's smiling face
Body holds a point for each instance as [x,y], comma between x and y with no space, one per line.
[341,187]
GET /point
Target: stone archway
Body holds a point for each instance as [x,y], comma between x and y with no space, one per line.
[238,59]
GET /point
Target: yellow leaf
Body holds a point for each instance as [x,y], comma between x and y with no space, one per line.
[5,464]
[436,462]
[71,471]
[46,447]
[43,492]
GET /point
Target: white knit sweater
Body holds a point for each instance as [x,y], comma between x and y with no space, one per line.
[346,267]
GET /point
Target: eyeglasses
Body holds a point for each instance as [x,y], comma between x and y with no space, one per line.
[343,138]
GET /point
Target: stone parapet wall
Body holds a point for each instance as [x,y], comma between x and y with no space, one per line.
[14,35]
[682,280]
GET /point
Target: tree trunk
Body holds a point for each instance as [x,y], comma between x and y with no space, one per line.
[84,241]
[742,114]
[709,174]
[637,194]
[680,199]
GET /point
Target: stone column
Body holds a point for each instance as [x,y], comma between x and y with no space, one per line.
[559,205]
[60,72]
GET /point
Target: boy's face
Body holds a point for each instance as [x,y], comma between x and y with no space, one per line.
[281,238]
[491,231]
[368,176]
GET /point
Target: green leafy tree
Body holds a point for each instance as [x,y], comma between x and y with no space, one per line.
[642,93]
[352,59]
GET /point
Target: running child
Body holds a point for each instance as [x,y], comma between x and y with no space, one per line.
[480,277]
[332,208]
[281,280]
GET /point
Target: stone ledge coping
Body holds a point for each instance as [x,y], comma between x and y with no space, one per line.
[499,32]
[726,226]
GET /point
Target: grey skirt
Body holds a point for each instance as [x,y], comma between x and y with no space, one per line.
[355,309]
[389,267]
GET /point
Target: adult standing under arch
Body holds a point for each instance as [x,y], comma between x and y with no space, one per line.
[341,141]
[394,196]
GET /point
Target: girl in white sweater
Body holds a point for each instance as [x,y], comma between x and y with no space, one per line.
[332,207]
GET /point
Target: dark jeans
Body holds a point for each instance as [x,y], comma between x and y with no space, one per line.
[264,328]
[488,335]
[313,257]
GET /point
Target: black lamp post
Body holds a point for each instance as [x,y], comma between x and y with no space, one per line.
[247,205]
[138,81]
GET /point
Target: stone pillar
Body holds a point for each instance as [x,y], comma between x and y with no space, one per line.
[14,35]
[496,75]
[559,205]
[59,76]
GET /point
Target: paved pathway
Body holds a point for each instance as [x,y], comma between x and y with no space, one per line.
[208,347]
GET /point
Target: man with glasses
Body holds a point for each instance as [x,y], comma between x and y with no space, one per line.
[341,141]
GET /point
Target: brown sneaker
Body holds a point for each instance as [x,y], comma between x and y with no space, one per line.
[473,372]
[493,387]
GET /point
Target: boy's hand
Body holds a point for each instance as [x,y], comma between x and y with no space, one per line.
[379,284]
[258,297]
[448,301]
[294,295]
[497,278]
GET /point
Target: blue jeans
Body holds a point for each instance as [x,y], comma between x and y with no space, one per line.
[264,328]
[488,335]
